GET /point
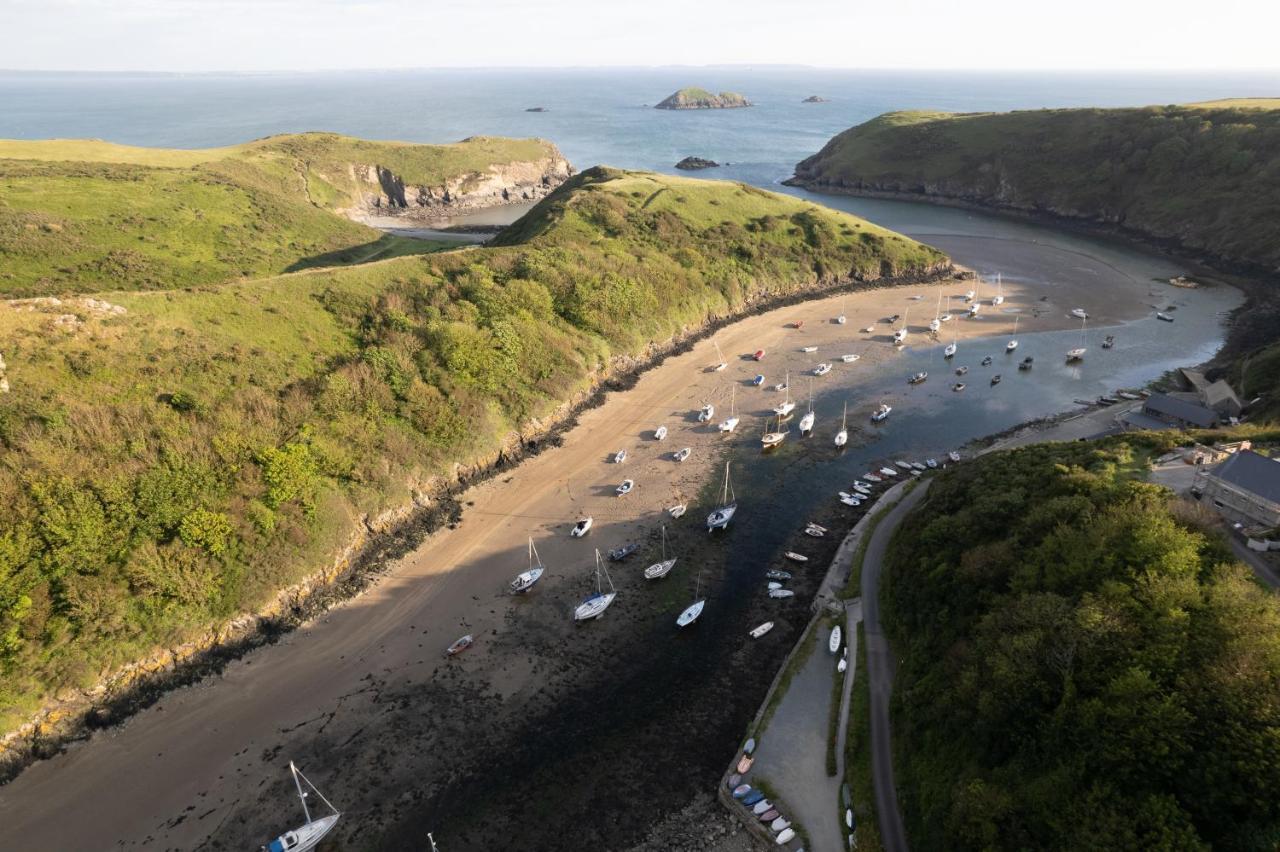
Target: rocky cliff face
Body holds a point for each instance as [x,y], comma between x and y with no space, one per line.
[386,193]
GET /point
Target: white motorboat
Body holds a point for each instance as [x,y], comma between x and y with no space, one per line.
[525,580]
[1077,354]
[998,298]
[888,471]
[882,413]
[861,489]
[774,574]
[660,434]
[459,645]
[625,487]
[1161,315]
[957,387]
[833,644]
[960,371]
[949,351]
[661,569]
[905,465]
[1079,313]
[813,532]
[720,518]
[849,359]
[787,406]
[932,464]
[682,454]
[822,369]
[781,593]
[808,349]
[973,309]
[706,413]
[731,423]
[873,477]
[677,510]
[308,835]
[850,500]
[1013,341]
[842,437]
[954,456]
[757,632]
[581,528]
[900,336]
[869,329]
[620,456]
[594,606]
[773,585]
[796,557]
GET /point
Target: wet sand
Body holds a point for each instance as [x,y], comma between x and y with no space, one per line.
[401,738]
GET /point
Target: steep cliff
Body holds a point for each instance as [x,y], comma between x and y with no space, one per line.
[1205,177]
[691,97]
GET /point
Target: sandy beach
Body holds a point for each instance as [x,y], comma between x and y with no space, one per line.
[207,763]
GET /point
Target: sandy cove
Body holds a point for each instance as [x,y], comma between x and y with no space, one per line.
[212,755]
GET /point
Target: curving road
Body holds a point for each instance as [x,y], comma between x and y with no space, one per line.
[880,667]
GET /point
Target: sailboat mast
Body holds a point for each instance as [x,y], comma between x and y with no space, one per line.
[301,794]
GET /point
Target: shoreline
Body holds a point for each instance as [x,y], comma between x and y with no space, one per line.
[409,527]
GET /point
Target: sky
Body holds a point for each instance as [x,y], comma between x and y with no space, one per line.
[313,35]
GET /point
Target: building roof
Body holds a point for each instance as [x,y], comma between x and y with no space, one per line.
[1251,472]
[1218,393]
[1188,412]
[1194,378]
[1138,420]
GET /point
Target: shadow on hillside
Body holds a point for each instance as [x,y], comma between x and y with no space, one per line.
[386,246]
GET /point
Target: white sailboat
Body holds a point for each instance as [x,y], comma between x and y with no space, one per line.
[787,406]
[731,423]
[693,610]
[525,580]
[772,439]
[842,437]
[900,336]
[974,299]
[947,316]
[1013,341]
[806,422]
[720,518]
[936,322]
[842,319]
[1077,354]
[661,569]
[594,606]
[998,298]
[950,350]
[307,836]
[720,362]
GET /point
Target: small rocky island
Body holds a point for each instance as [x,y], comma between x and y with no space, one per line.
[537,109]
[814,99]
[691,164]
[694,98]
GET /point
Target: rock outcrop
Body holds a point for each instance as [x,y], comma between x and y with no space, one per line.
[695,98]
[387,193]
[814,99]
[691,164]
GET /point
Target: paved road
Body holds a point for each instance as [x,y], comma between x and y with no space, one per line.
[880,666]
[1265,572]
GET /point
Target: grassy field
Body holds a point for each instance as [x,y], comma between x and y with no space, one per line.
[169,467]
[1204,175]
[78,216]
[857,757]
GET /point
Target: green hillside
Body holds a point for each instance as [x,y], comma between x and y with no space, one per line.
[1084,663]
[1204,176]
[83,215]
[167,468]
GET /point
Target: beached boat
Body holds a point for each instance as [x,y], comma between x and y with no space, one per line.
[900,336]
[762,806]
[1109,342]
[459,645]
[920,466]
[1161,315]
[881,413]
[932,464]
[888,471]
[660,434]
[623,551]
[957,387]
[677,510]
[758,380]
[833,644]
[581,528]
[785,836]
[759,355]
[864,490]
[706,413]
[682,454]
[850,358]
[905,465]
[620,456]
[1013,341]
[808,349]
[841,319]
[850,500]
[869,329]
[873,477]
[960,371]
[757,632]
[774,585]
[307,836]
[936,322]
[1077,354]
[775,574]
[954,456]
[720,518]
[752,798]
[781,593]
[779,824]
[822,369]
[842,437]
[796,557]
[731,423]
[917,378]
[658,570]
[625,487]
[974,308]
[968,295]
[743,767]
[780,387]
[786,406]
[998,298]
[1079,313]
[721,364]
[815,533]
[806,422]
[798,324]
[525,580]
[776,436]
[693,610]
[741,790]
[595,605]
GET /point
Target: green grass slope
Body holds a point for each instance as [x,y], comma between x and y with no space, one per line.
[83,215]
[1205,176]
[1084,663]
[167,468]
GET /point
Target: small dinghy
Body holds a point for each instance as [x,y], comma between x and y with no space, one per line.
[873,477]
[888,471]
[620,553]
[775,574]
[758,380]
[786,836]
[658,570]
[808,349]
[932,464]
[986,362]
[850,500]
[752,798]
[750,746]
[308,835]
[660,434]
[1109,342]
[920,467]
[1161,315]
[780,387]
[734,780]
[741,790]
[525,580]
[861,489]
[460,645]
[849,359]
[822,369]
[882,413]
[842,665]
[918,378]
[1026,363]
[759,355]
[781,593]
[677,510]
[757,632]
[681,455]
[581,528]
[620,456]
[595,605]
[779,824]
[960,371]
[816,532]
[995,380]
[773,584]
[954,456]
[798,324]
[869,329]
[957,387]
[761,806]
[848,818]
[1079,313]
[905,465]
[625,487]
[796,557]
[769,815]
[833,644]
[706,413]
